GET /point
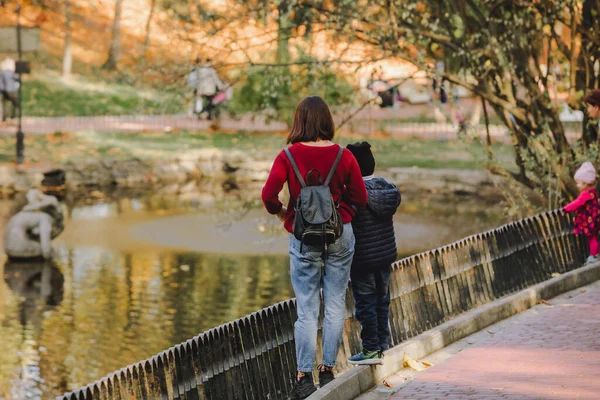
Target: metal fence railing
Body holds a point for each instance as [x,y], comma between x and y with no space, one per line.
[254,357]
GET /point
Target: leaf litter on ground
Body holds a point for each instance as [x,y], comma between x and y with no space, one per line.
[414,364]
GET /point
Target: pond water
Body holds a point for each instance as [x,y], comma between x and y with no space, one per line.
[133,275]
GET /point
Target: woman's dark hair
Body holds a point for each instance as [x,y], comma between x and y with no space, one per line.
[312,121]
[593,98]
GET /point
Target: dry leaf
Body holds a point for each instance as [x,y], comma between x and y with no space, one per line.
[583,291]
[425,363]
[555,274]
[544,302]
[386,384]
[410,363]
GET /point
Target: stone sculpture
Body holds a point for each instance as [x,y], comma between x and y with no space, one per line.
[29,233]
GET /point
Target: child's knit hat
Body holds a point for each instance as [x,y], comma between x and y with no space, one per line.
[364,156]
[586,173]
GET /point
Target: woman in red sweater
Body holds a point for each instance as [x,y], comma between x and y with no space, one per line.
[312,148]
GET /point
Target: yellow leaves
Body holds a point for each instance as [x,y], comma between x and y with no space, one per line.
[547,29]
[414,364]
[96,194]
[60,136]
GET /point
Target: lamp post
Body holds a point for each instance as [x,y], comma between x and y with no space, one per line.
[20,135]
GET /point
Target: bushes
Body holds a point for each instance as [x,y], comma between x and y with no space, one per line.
[275,91]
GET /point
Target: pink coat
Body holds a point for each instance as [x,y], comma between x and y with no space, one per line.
[587,213]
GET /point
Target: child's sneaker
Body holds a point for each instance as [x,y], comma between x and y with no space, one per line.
[592,259]
[367,357]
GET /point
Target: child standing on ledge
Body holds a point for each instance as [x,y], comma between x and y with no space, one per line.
[586,209]
[373,227]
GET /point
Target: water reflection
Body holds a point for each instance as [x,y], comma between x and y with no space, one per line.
[38,282]
[94,310]
[39,285]
[103,304]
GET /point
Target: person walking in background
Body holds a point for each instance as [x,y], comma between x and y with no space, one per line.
[586,209]
[375,251]
[9,88]
[311,266]
[207,84]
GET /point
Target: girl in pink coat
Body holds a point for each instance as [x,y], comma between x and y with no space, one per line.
[586,209]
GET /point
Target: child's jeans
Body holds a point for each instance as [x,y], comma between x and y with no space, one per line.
[593,242]
[371,290]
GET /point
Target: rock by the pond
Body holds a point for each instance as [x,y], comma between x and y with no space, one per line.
[233,168]
[441,180]
[28,234]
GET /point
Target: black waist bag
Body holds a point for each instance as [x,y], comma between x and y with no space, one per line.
[317,221]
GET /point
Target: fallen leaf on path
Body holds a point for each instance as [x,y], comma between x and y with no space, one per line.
[583,291]
[386,384]
[410,363]
[425,363]
[544,302]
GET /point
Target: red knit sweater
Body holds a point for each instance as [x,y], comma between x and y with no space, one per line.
[347,180]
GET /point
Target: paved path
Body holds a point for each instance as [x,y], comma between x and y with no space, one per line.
[168,123]
[44,125]
[367,121]
[549,352]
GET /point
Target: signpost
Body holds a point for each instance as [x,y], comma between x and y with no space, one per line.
[30,39]
[21,40]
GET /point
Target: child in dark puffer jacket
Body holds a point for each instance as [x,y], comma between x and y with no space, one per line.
[375,251]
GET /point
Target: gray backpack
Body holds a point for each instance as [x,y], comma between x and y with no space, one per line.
[317,221]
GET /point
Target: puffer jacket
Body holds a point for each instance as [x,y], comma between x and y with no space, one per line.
[373,226]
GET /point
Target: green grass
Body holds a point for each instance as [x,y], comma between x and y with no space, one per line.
[389,152]
[47,95]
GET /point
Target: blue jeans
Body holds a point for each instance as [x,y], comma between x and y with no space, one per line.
[371,291]
[305,271]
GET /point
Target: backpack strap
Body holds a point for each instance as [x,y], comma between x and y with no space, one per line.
[334,166]
[295,167]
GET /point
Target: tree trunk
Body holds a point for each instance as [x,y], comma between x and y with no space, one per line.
[146,42]
[67,55]
[115,45]
[585,76]
[284,31]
